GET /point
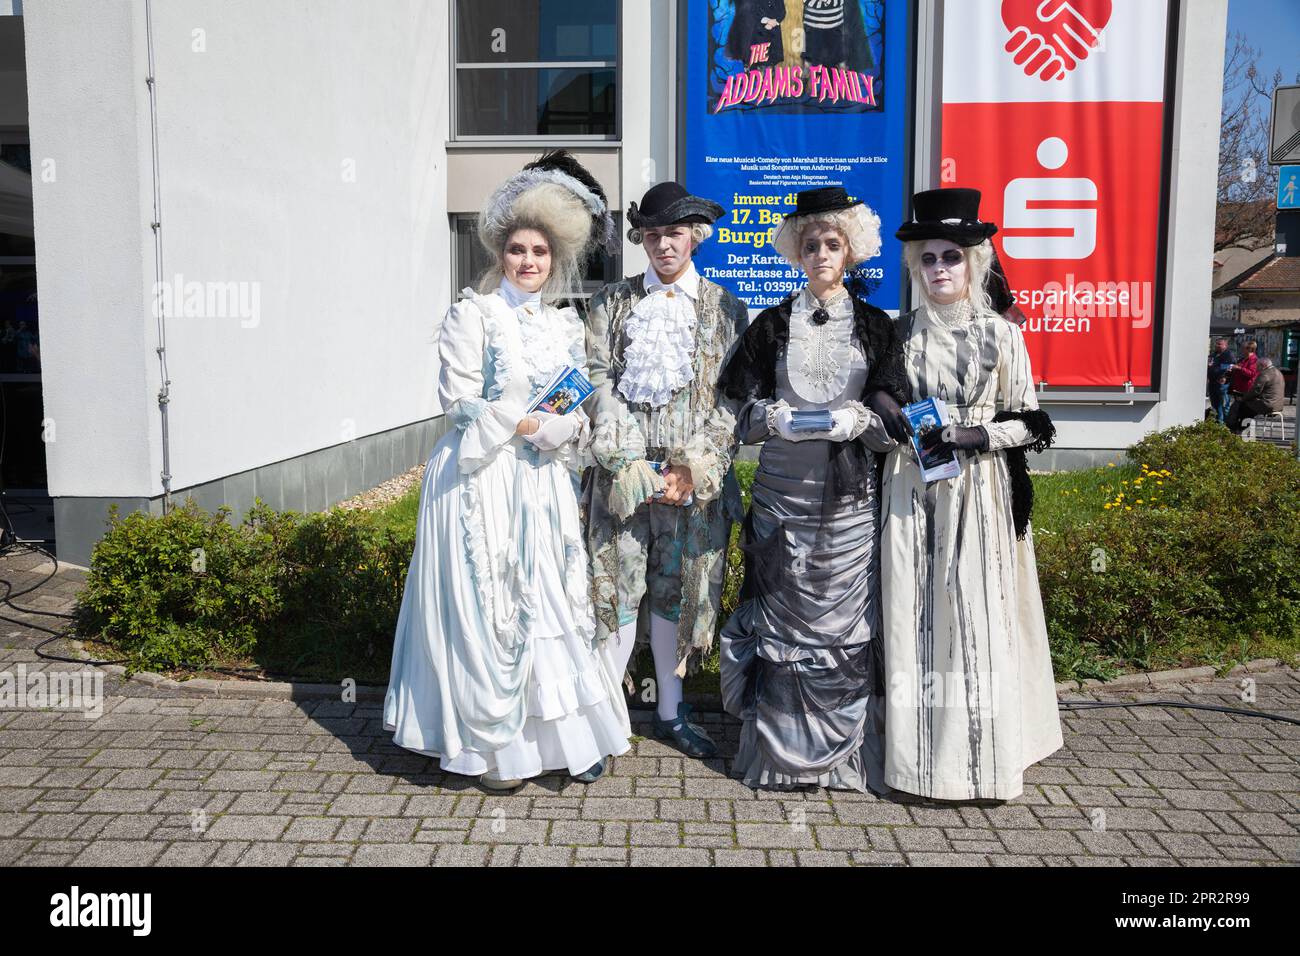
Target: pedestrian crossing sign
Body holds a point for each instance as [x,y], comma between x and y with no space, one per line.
[1288,187]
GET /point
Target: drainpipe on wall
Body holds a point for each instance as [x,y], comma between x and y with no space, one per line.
[164,392]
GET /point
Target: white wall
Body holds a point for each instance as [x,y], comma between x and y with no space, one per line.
[90,187]
[301,155]
[648,78]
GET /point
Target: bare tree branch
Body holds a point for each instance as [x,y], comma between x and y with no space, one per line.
[1246,182]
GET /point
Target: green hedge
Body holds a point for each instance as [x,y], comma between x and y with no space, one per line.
[1198,563]
[308,596]
[1189,555]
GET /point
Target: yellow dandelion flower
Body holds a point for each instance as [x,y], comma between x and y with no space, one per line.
[1138,502]
[1110,464]
[1128,508]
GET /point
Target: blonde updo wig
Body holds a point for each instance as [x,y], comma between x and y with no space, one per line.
[699,232]
[979,260]
[859,225]
[559,215]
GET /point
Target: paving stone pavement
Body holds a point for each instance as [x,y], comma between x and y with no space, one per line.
[163,779]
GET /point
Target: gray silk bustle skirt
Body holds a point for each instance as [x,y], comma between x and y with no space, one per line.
[801,657]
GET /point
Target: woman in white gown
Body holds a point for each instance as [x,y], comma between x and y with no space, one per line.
[971,700]
[496,671]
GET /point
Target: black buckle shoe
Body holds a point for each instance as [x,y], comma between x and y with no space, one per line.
[690,738]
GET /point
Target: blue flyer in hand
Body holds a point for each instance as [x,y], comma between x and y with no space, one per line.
[567,389]
[816,420]
[927,416]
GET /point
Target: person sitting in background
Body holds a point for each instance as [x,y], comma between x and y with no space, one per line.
[1265,396]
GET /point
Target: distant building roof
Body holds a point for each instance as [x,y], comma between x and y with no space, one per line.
[1231,263]
[1275,274]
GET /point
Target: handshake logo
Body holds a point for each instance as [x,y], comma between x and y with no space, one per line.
[1049,38]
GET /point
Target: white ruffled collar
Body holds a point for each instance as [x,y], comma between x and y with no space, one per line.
[660,353]
[517,298]
[688,282]
[838,305]
[952,315]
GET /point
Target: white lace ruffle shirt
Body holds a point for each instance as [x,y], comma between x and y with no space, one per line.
[661,340]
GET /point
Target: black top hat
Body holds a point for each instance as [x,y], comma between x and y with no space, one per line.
[825,199]
[952,214]
[667,203]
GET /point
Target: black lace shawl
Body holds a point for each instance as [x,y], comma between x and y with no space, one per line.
[1040,426]
[750,375]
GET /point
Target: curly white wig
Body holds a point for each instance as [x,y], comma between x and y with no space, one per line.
[979,260]
[559,214]
[699,232]
[859,225]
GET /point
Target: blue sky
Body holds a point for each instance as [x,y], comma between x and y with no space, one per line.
[1273,27]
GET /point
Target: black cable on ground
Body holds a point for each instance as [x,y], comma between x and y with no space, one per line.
[57,635]
[1103,704]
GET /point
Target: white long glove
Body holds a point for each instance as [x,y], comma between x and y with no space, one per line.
[554,430]
[778,421]
[844,425]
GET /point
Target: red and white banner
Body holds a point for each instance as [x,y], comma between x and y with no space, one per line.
[1054,110]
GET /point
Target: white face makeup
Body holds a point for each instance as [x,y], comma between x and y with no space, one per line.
[669,249]
[823,251]
[944,271]
[526,260]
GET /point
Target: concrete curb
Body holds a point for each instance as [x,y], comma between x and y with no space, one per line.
[1156,679]
[281,690]
[239,689]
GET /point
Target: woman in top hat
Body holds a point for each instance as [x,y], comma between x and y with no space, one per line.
[660,506]
[971,701]
[495,669]
[801,656]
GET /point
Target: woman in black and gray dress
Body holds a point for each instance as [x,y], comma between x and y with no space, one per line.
[801,662]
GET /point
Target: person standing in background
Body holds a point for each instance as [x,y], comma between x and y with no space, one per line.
[1217,374]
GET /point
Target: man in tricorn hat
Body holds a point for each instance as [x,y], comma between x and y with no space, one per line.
[659,506]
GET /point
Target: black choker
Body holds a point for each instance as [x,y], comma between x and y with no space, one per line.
[820,316]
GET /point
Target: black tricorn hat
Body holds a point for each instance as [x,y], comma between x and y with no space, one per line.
[952,214]
[667,203]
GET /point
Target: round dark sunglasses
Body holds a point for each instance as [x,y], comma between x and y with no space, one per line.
[950,257]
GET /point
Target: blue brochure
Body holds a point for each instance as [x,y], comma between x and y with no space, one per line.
[811,421]
[567,389]
[927,416]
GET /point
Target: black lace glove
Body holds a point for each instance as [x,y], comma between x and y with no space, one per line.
[957,438]
[891,413]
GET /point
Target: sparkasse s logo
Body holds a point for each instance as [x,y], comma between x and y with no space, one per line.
[103,909]
[1049,38]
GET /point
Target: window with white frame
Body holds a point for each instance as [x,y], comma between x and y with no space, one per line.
[536,68]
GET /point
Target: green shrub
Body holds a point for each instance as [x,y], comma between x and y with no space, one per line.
[184,589]
[313,595]
[1192,555]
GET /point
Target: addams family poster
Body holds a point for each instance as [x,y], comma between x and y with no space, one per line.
[784,95]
